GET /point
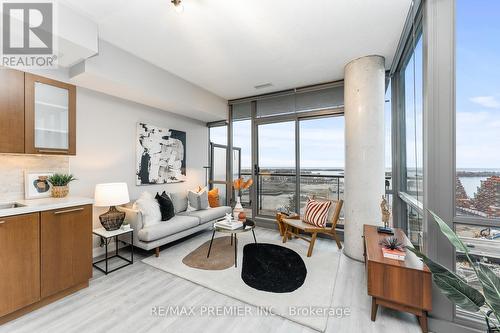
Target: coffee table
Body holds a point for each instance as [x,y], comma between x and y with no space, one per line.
[233,234]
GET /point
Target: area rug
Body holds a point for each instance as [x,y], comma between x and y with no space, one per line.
[272,268]
[221,255]
[300,306]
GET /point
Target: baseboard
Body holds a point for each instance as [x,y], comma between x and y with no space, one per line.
[444,326]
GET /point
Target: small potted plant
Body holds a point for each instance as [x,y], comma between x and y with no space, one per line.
[60,183]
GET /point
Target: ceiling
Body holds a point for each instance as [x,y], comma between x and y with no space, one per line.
[230,46]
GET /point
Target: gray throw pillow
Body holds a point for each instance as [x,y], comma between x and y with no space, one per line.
[198,200]
[180,201]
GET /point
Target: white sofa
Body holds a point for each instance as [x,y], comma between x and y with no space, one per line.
[183,224]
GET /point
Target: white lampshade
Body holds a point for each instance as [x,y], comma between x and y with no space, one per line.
[111,194]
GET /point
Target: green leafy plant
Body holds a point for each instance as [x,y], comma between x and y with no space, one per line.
[456,288]
[60,179]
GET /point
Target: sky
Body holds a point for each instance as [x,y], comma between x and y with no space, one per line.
[478,83]
[322,142]
[413,75]
[477,103]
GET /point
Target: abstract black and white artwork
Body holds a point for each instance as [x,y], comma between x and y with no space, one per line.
[161,155]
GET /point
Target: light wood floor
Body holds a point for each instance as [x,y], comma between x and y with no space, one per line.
[123,301]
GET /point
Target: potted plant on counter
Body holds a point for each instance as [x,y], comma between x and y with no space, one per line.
[486,300]
[60,183]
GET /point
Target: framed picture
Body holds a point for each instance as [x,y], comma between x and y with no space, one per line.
[36,184]
[161,155]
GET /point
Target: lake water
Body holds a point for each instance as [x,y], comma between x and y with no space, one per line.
[471,184]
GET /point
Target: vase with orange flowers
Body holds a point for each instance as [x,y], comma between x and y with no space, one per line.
[240,185]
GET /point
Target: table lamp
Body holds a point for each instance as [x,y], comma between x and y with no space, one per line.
[111,194]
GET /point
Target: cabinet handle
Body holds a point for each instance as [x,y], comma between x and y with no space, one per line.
[68,211]
[49,151]
[2,222]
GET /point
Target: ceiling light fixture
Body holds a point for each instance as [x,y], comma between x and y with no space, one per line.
[179,8]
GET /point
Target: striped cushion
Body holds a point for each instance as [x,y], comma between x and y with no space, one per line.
[317,212]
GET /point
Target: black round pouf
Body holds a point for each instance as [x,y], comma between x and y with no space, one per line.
[273,268]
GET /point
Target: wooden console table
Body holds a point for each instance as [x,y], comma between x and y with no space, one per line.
[401,285]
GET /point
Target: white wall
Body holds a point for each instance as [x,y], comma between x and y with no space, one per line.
[106,150]
[106,134]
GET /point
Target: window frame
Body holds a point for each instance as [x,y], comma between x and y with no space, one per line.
[296,118]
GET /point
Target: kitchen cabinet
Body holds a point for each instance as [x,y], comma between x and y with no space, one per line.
[19,262]
[44,256]
[50,116]
[11,111]
[66,248]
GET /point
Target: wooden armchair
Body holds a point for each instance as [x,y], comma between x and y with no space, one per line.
[292,227]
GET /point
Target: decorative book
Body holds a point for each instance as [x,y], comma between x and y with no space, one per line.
[224,224]
[393,254]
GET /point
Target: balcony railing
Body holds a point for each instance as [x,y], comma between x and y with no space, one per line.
[279,190]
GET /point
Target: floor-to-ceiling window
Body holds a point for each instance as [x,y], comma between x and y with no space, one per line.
[477,197]
[462,167]
[276,174]
[413,73]
[299,159]
[411,138]
[322,148]
[388,145]
[292,145]
[242,140]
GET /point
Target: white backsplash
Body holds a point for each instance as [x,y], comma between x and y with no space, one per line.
[12,169]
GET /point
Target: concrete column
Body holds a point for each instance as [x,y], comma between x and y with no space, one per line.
[364,93]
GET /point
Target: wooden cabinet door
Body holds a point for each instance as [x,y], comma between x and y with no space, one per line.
[11,111]
[66,248]
[50,116]
[19,262]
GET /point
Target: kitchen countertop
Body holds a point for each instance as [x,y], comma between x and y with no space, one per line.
[39,205]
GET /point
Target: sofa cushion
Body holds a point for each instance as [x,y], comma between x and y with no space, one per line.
[213,197]
[180,201]
[176,224]
[166,206]
[150,209]
[198,200]
[210,214]
[316,212]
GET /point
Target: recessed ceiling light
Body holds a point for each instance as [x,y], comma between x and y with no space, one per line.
[263,85]
[179,8]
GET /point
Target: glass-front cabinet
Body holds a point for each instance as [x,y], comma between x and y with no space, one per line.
[50,116]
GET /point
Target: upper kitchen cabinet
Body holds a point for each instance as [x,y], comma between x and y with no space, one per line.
[11,111]
[50,116]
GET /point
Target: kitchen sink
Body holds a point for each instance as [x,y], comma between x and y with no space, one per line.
[10,205]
